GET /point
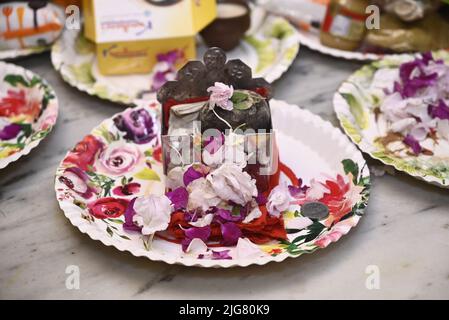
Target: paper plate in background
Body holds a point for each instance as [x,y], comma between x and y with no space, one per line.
[355,106]
[27,31]
[310,148]
[17,53]
[269,49]
[28,112]
[312,41]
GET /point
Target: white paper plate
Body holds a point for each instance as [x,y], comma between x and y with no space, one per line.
[312,41]
[308,145]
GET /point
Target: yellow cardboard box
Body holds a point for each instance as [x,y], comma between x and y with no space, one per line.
[130,34]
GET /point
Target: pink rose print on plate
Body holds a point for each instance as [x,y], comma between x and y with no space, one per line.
[120,158]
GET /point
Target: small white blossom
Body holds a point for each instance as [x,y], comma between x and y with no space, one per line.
[254,214]
[230,182]
[204,221]
[201,195]
[278,200]
[152,213]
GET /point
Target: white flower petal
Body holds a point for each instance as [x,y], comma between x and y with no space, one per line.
[230,182]
[204,221]
[245,249]
[384,78]
[278,200]
[201,195]
[152,213]
[316,190]
[213,160]
[254,214]
[4,122]
[298,223]
[403,124]
[443,128]
[196,247]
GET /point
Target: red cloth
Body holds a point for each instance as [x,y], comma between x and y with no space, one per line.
[260,230]
[265,228]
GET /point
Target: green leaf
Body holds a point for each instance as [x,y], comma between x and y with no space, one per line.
[147,242]
[147,174]
[107,188]
[239,96]
[244,99]
[291,231]
[27,129]
[109,231]
[148,153]
[243,105]
[235,211]
[116,221]
[299,238]
[350,129]
[35,81]
[14,79]
[357,110]
[105,134]
[80,204]
[351,167]
[82,73]
[315,230]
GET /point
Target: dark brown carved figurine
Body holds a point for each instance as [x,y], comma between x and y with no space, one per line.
[220,99]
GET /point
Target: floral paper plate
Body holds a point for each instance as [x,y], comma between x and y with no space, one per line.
[98,179]
[269,51]
[28,112]
[362,107]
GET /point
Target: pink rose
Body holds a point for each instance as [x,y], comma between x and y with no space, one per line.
[220,96]
[119,158]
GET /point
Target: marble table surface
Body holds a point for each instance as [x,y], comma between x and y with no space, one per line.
[403,237]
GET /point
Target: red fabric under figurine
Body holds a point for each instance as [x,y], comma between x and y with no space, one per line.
[261,230]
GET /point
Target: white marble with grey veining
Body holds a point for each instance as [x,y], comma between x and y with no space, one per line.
[405,231]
